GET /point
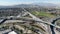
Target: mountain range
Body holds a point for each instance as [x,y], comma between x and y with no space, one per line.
[49,5]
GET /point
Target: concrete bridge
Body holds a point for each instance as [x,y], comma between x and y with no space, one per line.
[32,19]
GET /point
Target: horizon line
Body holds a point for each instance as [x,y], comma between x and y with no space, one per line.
[23,3]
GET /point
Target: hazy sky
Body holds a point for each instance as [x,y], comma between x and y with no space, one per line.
[13,2]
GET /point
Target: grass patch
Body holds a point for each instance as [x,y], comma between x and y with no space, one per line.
[44,14]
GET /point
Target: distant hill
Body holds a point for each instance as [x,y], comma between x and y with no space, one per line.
[48,5]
